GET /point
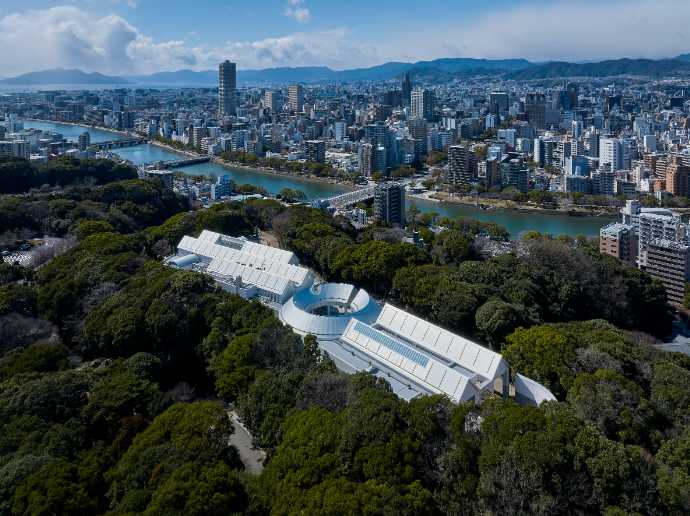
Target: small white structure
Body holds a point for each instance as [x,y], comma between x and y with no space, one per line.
[166,176]
[325,310]
[243,267]
[529,392]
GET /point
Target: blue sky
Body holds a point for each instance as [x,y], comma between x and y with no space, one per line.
[139,36]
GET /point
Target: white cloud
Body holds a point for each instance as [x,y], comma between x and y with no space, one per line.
[64,36]
[571,31]
[71,38]
[296,10]
[332,48]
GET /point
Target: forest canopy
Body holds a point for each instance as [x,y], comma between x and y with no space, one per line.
[117,374]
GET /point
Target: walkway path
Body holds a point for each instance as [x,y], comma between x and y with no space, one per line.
[252,458]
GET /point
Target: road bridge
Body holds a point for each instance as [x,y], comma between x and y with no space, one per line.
[118,144]
[342,201]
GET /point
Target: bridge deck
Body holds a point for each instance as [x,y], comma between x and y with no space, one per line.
[348,198]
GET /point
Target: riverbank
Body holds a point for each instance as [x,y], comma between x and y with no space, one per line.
[192,154]
[502,204]
[170,148]
[254,169]
[85,126]
[278,173]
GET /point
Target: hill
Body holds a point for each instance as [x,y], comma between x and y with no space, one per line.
[183,77]
[386,71]
[62,76]
[644,67]
[438,69]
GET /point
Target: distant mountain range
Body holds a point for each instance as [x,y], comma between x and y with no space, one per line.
[324,74]
[62,76]
[447,68]
[643,67]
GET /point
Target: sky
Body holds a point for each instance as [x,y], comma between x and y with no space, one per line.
[124,37]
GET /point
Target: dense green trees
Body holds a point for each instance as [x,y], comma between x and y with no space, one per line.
[544,353]
[452,247]
[190,436]
[282,165]
[554,282]
[367,455]
[673,473]
[103,352]
[19,175]
[126,206]
[373,264]
[291,195]
[38,357]
[550,280]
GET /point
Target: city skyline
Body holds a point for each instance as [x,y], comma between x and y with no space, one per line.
[127,36]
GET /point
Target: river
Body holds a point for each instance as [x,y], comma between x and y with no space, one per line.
[516,222]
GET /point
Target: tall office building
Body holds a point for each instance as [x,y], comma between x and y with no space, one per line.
[614,153]
[6,149]
[389,203]
[576,129]
[677,177]
[272,101]
[376,134]
[669,262]
[499,101]
[419,131]
[366,156]
[84,140]
[518,175]
[198,133]
[603,182]
[493,173]
[535,107]
[462,165]
[21,149]
[339,129]
[227,89]
[573,94]
[406,89]
[296,98]
[422,104]
[379,159]
[618,240]
[316,151]
[593,139]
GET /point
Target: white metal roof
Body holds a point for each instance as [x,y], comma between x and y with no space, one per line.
[269,253]
[244,245]
[259,278]
[207,247]
[459,350]
[420,368]
[531,391]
